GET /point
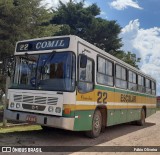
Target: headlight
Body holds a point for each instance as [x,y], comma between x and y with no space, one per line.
[12,105]
[50,109]
[18,105]
[58,110]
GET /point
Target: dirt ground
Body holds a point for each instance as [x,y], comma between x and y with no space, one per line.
[119,135]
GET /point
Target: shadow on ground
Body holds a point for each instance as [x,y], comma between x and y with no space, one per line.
[60,138]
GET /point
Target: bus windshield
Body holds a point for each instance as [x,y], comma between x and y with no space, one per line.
[51,71]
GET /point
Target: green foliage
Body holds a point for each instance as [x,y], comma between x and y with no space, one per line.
[22,19]
[82,21]
[26,19]
[127,57]
[73,18]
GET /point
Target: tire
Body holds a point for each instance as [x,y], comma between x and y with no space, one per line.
[46,128]
[141,122]
[96,125]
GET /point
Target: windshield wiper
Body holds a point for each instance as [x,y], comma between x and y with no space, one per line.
[49,58]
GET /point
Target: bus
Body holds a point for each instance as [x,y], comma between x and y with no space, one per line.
[65,82]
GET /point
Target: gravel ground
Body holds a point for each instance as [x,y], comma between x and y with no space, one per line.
[119,135]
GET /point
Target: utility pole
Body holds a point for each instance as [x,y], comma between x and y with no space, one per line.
[5,100]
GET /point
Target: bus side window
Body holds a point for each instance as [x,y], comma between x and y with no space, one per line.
[86,82]
[132,81]
[153,88]
[148,86]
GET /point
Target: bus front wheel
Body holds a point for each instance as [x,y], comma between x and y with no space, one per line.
[96,125]
[141,122]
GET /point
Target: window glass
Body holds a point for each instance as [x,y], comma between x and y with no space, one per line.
[123,73]
[143,83]
[85,87]
[109,68]
[118,83]
[139,80]
[134,78]
[86,82]
[148,86]
[147,83]
[49,71]
[86,73]
[153,88]
[118,71]
[104,79]
[101,65]
[105,72]
[110,81]
[132,86]
[153,85]
[140,83]
[123,84]
[82,75]
[130,76]
[121,77]
[89,71]
[132,81]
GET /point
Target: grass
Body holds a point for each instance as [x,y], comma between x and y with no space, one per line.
[158,109]
[19,128]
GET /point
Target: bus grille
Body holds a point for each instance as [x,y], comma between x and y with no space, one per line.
[35,99]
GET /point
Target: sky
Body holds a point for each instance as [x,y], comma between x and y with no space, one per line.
[140,22]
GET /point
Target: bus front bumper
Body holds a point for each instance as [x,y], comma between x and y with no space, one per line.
[52,121]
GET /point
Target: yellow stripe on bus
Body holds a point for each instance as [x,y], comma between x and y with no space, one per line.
[112,97]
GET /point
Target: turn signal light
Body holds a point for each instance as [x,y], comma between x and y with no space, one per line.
[67,111]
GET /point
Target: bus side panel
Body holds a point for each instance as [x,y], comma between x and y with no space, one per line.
[152,109]
[117,111]
[134,108]
[83,120]
[84,111]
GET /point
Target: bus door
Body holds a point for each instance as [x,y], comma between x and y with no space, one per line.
[85,99]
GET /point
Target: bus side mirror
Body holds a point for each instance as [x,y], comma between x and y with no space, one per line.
[83,61]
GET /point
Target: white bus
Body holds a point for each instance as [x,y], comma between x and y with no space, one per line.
[66,82]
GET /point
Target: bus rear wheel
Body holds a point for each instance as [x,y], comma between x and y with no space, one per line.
[96,125]
[141,122]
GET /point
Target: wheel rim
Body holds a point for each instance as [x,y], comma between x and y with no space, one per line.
[97,123]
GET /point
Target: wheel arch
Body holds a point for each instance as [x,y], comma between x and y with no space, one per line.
[145,110]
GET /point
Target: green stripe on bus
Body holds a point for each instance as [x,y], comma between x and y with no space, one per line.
[114,116]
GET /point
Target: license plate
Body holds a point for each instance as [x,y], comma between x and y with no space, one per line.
[31,118]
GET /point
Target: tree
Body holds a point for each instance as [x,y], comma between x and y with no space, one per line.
[73,18]
[20,20]
[78,20]
[127,57]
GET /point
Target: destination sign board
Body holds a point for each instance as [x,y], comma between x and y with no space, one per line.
[46,44]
